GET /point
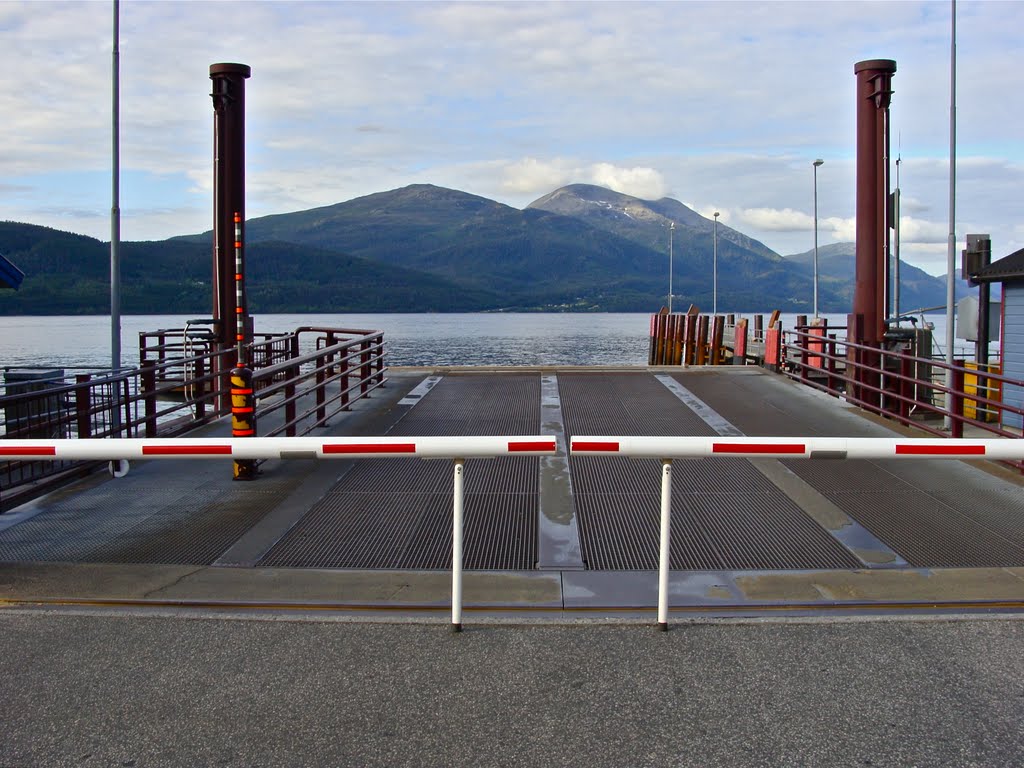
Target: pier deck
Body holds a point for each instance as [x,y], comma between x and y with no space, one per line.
[543,536]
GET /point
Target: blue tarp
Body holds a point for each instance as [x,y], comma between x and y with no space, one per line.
[10,275]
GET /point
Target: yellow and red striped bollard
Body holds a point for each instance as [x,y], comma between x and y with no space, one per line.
[243,417]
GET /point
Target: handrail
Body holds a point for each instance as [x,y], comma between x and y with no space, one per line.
[359,357]
[180,386]
[889,382]
[666,449]
[456,449]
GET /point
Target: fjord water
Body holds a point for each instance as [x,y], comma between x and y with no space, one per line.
[412,339]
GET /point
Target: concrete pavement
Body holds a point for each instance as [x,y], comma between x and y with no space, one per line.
[127,689]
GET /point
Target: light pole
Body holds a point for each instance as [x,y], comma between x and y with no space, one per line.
[714,309]
[816,164]
[671,231]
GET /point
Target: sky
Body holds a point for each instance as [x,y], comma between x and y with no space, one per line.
[723,106]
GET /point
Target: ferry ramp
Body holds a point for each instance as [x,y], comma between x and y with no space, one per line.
[543,537]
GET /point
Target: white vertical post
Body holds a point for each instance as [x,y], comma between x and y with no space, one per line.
[816,163]
[714,300]
[671,232]
[666,512]
[457,500]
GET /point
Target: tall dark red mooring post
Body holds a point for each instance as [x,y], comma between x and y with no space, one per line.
[231,320]
[870,302]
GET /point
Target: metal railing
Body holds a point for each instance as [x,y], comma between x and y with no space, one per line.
[906,388]
[351,363]
[455,449]
[667,449]
[303,378]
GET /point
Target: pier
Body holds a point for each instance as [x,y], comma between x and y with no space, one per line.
[557,536]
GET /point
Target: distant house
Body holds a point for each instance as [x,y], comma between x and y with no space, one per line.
[1010,272]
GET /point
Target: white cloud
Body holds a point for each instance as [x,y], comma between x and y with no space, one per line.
[532,176]
[645,183]
[922,231]
[775,220]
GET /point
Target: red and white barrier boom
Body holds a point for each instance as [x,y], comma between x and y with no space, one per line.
[797,448]
[277,448]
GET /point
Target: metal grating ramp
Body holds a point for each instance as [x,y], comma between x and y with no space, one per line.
[174,523]
[726,515]
[398,513]
[934,514]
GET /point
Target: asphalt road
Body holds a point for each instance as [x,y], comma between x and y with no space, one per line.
[131,689]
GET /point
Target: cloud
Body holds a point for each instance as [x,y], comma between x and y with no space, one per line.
[533,176]
[775,220]
[922,231]
[538,177]
[645,183]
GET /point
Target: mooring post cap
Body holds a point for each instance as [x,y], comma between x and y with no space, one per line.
[230,69]
[882,65]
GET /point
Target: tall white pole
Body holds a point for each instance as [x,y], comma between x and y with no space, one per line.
[951,245]
[816,164]
[714,310]
[671,232]
[115,211]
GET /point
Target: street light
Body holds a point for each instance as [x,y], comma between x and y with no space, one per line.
[671,230]
[816,164]
[714,309]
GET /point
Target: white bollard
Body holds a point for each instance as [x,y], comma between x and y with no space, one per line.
[666,526]
[457,500]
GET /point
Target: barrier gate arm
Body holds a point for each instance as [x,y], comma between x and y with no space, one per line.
[797,447]
[668,448]
[113,449]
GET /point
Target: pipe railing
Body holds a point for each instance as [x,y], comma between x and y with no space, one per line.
[352,360]
[310,375]
[667,449]
[886,382]
[455,449]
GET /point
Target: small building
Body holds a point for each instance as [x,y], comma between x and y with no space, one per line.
[1009,271]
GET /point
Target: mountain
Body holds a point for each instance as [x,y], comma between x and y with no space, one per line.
[581,247]
[425,248]
[70,274]
[837,269]
[643,221]
[749,273]
[532,259]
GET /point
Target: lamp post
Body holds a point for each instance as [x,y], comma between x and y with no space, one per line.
[671,231]
[714,309]
[816,164]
